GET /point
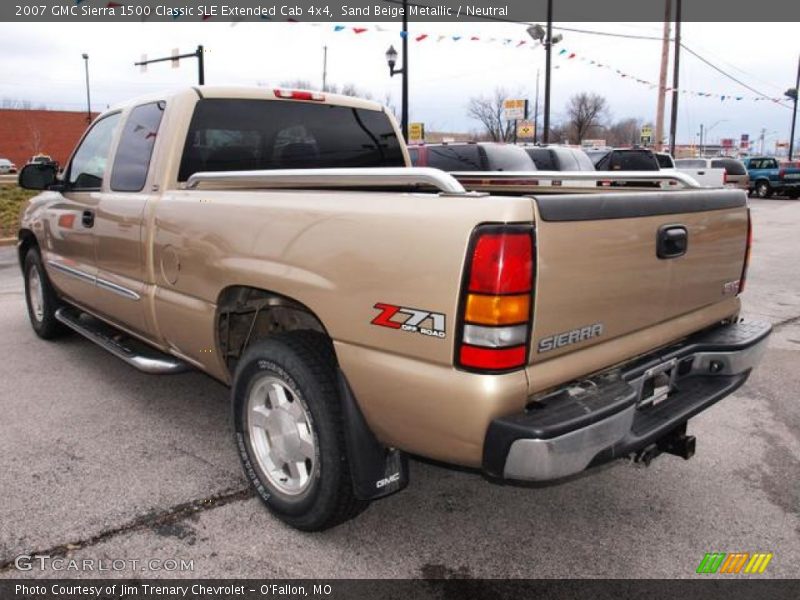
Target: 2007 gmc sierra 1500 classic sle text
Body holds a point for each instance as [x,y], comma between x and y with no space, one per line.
[361,309]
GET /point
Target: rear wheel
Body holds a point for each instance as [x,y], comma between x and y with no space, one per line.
[41,298]
[763,189]
[289,430]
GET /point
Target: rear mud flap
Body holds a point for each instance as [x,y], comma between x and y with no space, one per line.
[377,471]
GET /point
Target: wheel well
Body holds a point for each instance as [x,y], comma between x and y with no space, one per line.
[247,314]
[27,241]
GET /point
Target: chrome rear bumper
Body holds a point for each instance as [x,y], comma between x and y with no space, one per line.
[626,410]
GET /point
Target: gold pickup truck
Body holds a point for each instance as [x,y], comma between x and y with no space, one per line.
[362,310]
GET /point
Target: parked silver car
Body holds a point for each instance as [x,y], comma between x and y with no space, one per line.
[7,167]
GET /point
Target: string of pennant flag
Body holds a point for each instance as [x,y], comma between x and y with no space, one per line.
[564,55]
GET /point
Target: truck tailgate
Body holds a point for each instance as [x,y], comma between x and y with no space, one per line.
[599,273]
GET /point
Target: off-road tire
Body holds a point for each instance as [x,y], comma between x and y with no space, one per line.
[304,362]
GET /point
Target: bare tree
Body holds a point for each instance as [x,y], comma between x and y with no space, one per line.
[488,110]
[585,112]
[624,132]
[390,105]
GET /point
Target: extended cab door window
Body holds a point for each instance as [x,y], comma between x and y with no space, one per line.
[88,167]
[136,147]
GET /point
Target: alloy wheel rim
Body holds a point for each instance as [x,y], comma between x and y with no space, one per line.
[36,294]
[281,435]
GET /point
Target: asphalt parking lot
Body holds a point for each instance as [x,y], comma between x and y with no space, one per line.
[100,461]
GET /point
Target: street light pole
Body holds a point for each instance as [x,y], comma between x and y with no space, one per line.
[794,109]
[88,96]
[404,110]
[548,46]
[391,60]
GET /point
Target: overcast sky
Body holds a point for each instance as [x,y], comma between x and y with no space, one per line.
[43,64]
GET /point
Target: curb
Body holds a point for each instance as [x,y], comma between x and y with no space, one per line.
[8,241]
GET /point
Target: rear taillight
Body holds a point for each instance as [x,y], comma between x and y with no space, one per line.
[747,248]
[724,176]
[496,309]
[781,172]
[299,95]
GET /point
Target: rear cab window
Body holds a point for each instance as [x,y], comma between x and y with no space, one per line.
[543,158]
[456,158]
[241,135]
[633,160]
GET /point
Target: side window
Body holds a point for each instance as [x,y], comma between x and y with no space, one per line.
[770,163]
[88,167]
[136,147]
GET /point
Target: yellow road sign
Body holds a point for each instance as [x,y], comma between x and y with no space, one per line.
[416,132]
[525,129]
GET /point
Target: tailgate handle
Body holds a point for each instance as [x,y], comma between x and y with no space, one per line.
[672,241]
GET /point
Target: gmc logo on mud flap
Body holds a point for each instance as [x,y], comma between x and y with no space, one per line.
[410,319]
[384,482]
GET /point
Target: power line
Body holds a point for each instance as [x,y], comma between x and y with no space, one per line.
[631,36]
[729,76]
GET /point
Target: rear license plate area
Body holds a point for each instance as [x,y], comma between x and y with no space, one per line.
[657,383]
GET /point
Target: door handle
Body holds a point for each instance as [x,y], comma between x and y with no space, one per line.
[671,241]
[87,218]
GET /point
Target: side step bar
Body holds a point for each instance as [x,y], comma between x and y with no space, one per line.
[133,352]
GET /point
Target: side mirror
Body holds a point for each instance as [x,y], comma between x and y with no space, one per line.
[37,176]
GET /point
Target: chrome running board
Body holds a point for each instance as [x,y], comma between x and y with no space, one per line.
[135,353]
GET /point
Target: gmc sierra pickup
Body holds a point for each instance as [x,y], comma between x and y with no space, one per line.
[361,310]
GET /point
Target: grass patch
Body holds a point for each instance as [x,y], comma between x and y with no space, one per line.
[11,200]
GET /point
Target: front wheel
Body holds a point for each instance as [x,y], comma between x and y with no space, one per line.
[41,298]
[763,189]
[289,432]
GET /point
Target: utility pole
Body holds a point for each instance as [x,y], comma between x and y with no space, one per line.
[662,79]
[536,112]
[198,54]
[673,122]
[794,109]
[763,133]
[324,68]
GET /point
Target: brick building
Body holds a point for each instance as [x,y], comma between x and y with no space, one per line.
[24,133]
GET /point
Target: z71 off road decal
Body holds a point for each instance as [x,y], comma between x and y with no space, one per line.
[410,319]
